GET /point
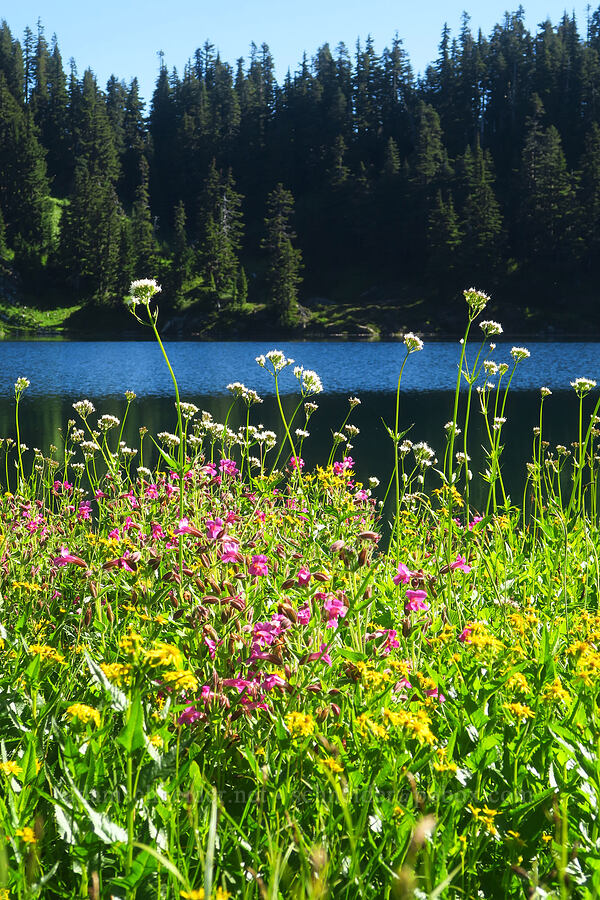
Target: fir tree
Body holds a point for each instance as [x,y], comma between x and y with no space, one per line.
[284,260]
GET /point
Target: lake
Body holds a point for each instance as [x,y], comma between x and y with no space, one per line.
[62,371]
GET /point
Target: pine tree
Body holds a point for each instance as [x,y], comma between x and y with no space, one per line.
[481,219]
[444,237]
[182,255]
[284,260]
[222,230]
[142,227]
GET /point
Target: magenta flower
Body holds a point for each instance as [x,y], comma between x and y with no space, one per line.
[304,576]
[465,635]
[184,527]
[404,575]
[340,467]
[230,551]
[460,563]
[415,600]
[157,531]
[189,716]
[214,527]
[228,467]
[296,462]
[152,492]
[258,566]
[435,693]
[85,510]
[65,558]
[304,614]
[115,534]
[335,609]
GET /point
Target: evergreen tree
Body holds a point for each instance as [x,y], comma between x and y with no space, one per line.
[222,230]
[142,227]
[481,219]
[444,236]
[284,260]
[182,256]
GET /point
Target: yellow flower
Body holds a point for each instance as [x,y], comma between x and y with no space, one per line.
[48,654]
[367,728]
[518,684]
[131,643]
[300,724]
[116,672]
[519,710]
[193,895]
[10,768]
[555,692]
[443,764]
[184,680]
[164,655]
[26,834]
[156,741]
[83,713]
[332,764]
[4,895]
[415,723]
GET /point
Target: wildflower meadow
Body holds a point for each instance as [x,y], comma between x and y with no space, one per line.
[223,675]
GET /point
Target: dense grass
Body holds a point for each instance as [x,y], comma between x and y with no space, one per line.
[216,681]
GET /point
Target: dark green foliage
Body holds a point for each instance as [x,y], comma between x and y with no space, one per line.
[486,165]
[284,260]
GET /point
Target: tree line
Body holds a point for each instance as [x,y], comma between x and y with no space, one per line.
[235,184]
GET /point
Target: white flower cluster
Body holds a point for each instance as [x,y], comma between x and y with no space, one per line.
[277,359]
[143,290]
[105,423]
[247,394]
[545,391]
[518,353]
[310,383]
[583,386]
[84,407]
[172,440]
[476,300]
[490,327]
[188,410]
[21,384]
[412,343]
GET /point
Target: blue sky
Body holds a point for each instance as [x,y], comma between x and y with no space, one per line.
[123,37]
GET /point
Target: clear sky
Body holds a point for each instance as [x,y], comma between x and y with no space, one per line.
[123,37]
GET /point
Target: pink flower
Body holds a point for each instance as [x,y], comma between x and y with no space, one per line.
[230,551]
[228,467]
[157,531]
[404,575]
[335,609]
[465,635]
[151,492]
[65,558]
[85,510]
[324,655]
[340,467]
[460,563]
[129,523]
[296,462]
[184,527]
[304,614]
[435,693]
[415,600]
[361,495]
[214,527]
[272,681]
[189,716]
[258,566]
[304,576]
[99,495]
[115,534]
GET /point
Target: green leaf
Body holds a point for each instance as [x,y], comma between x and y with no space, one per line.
[172,463]
[132,736]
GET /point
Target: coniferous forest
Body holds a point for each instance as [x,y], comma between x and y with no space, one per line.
[352,180]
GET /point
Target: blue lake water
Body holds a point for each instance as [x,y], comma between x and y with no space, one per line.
[61,372]
[107,368]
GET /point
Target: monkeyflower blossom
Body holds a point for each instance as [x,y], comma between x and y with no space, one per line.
[304,614]
[415,601]
[214,527]
[460,563]
[404,575]
[65,557]
[304,576]
[184,527]
[259,566]
[230,551]
[335,609]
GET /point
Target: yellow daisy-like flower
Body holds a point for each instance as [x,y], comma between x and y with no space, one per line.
[519,710]
[555,692]
[26,834]
[83,713]
[193,895]
[156,741]
[4,895]
[10,768]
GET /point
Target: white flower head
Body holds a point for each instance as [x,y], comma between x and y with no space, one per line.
[490,328]
[310,383]
[518,353]
[476,300]
[545,391]
[353,401]
[84,407]
[143,290]
[412,342]
[277,359]
[583,386]
[21,384]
